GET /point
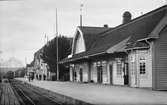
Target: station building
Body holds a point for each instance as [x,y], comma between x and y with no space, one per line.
[133,53]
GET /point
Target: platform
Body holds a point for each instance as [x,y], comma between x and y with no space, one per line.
[104,94]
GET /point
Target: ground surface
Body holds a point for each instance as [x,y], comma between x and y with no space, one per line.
[13,92]
[7,96]
[104,94]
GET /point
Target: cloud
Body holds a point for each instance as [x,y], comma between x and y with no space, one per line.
[23,23]
[11,62]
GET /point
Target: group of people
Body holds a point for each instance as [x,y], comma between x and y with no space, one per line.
[30,76]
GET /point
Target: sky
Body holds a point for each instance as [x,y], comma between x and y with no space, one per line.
[24,23]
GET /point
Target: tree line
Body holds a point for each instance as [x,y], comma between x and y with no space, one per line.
[49,55]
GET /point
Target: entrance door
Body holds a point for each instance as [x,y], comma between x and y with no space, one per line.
[111,71]
[74,75]
[81,74]
[99,74]
[126,78]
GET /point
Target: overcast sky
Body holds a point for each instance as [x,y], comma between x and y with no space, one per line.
[24,23]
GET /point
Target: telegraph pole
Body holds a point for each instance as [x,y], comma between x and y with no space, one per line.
[0,72]
[26,61]
[166,5]
[81,7]
[57,52]
[26,65]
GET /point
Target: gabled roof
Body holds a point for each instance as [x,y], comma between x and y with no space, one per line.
[159,27]
[90,34]
[138,28]
[118,37]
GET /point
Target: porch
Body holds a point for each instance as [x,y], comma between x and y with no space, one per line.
[104,69]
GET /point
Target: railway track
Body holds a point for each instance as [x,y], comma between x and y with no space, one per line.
[28,95]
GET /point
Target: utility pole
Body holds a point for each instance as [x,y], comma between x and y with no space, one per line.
[26,66]
[166,5]
[25,61]
[57,52]
[81,7]
[45,39]
[0,72]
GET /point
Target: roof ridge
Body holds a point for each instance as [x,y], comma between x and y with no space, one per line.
[106,33]
[137,18]
[93,27]
[159,27]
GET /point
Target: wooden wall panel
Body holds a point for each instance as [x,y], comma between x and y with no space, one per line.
[160,61]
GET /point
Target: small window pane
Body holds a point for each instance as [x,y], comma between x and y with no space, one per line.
[142,67]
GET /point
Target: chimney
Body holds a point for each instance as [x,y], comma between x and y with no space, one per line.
[126,17]
[106,25]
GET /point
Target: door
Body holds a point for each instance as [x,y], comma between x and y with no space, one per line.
[99,74]
[74,75]
[126,77]
[81,74]
[133,70]
[111,73]
[145,71]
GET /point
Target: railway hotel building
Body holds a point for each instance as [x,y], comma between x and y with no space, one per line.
[133,53]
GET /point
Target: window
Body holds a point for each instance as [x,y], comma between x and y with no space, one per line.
[132,68]
[142,65]
[119,68]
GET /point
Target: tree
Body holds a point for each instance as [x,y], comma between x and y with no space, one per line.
[20,72]
[49,54]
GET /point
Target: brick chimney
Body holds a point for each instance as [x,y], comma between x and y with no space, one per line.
[126,17]
[106,25]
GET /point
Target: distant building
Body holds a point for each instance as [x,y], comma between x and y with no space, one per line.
[30,71]
[133,53]
[40,67]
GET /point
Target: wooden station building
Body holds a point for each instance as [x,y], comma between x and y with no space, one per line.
[133,53]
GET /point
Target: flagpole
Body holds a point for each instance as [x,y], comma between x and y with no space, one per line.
[166,5]
[57,55]
[81,6]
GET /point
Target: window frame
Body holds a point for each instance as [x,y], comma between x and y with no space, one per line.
[142,65]
[119,68]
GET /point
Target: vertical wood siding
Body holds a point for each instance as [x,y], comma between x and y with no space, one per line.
[160,61]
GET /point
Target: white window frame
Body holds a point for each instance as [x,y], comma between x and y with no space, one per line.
[142,65]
